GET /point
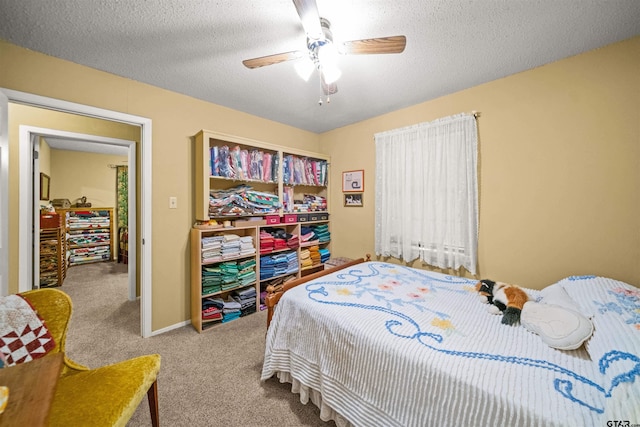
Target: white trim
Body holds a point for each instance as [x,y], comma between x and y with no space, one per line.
[35,212]
[25,260]
[131,224]
[4,194]
[145,184]
[171,328]
[146,175]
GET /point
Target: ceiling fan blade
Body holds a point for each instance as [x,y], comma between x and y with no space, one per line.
[308,12]
[273,59]
[393,44]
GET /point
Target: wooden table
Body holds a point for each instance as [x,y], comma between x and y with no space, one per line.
[31,389]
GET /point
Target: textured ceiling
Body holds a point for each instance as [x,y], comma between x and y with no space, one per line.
[196,47]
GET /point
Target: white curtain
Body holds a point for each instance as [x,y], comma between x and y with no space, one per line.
[427,193]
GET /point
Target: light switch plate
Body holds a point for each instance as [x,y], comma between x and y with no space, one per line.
[173,202]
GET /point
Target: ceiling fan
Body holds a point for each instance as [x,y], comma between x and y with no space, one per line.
[321,50]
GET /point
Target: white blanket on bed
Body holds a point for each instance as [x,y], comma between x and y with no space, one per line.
[390,345]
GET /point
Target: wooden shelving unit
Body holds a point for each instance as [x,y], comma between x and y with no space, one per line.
[314,184]
[200,262]
[89,234]
[205,181]
[53,266]
[261,283]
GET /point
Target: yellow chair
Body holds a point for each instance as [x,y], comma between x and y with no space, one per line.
[106,396]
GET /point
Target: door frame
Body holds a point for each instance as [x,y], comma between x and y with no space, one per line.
[9,95]
[29,183]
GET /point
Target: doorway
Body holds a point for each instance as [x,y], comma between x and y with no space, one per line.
[75,142]
[26,184]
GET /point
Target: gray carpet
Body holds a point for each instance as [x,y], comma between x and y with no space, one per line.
[208,379]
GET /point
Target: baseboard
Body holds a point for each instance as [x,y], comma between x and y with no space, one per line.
[170,328]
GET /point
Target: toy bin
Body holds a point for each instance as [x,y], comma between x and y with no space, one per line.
[290,218]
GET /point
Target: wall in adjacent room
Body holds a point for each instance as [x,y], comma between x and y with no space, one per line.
[75,174]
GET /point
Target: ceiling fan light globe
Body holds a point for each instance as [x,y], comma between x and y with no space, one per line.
[331,74]
[304,68]
[328,55]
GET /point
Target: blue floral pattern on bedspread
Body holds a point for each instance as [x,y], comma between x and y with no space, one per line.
[627,305]
[405,293]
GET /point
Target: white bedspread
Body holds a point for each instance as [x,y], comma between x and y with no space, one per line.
[389,345]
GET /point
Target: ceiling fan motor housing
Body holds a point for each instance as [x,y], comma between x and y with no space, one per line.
[315,45]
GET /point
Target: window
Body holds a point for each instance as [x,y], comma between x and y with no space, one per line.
[427,193]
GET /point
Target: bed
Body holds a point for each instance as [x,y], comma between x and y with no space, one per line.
[375,343]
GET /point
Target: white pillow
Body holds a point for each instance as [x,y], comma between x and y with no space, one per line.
[557,326]
[556,294]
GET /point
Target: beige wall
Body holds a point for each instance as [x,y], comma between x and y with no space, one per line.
[559,169]
[176,119]
[75,174]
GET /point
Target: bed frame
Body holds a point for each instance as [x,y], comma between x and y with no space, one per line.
[273,295]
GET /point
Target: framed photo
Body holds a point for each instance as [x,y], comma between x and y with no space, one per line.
[353,200]
[353,181]
[45,183]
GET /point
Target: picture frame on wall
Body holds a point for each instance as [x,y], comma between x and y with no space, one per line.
[45,183]
[353,200]
[353,181]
